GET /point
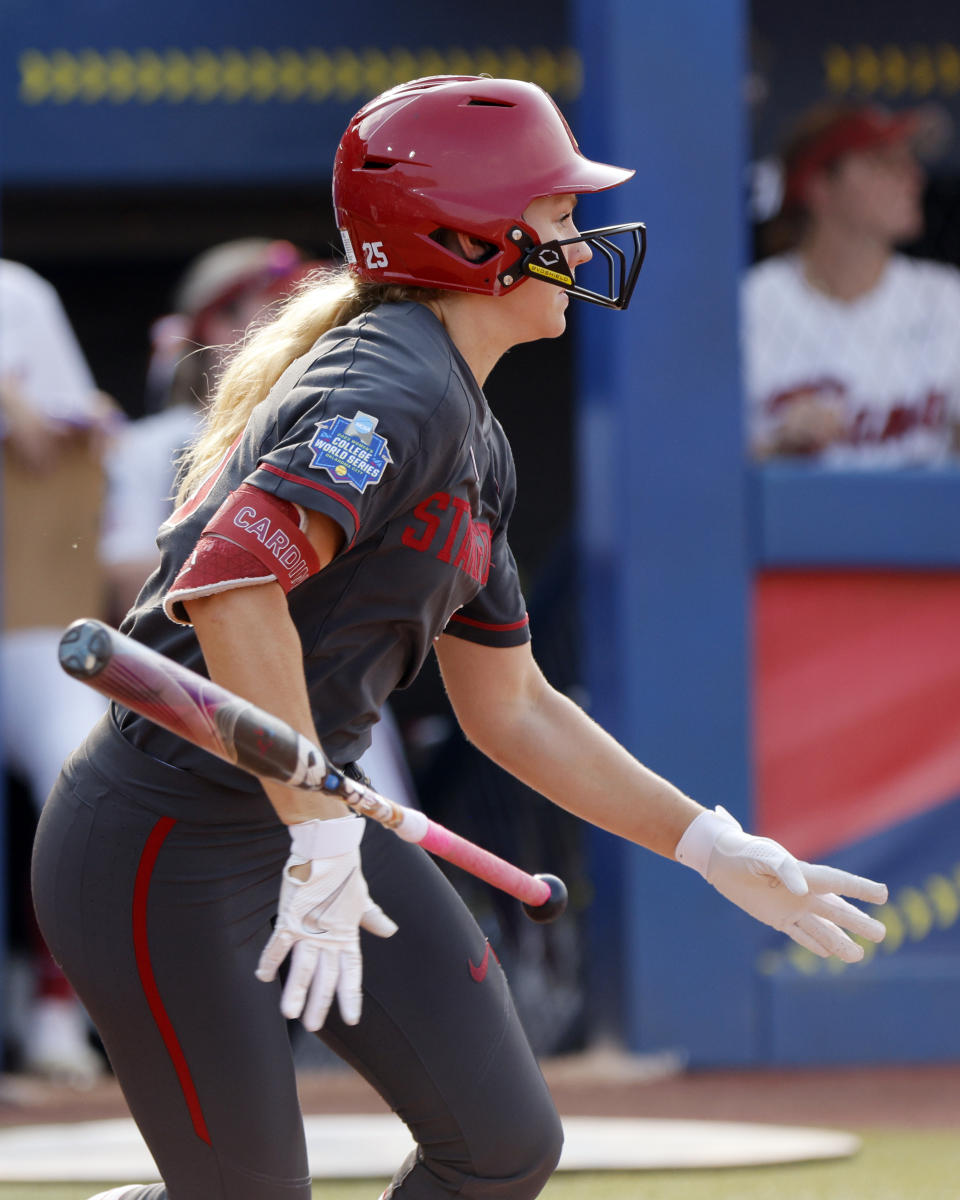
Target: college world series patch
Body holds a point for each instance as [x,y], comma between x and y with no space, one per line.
[350,451]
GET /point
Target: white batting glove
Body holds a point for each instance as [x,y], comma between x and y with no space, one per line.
[320,919]
[765,880]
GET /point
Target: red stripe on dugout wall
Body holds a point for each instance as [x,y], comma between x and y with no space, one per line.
[856,703]
[141,945]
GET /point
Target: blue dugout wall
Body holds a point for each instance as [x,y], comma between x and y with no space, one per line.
[663,518]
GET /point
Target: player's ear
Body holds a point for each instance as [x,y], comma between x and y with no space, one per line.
[468,247]
[472,248]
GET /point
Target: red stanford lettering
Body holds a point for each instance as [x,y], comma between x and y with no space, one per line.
[452,514]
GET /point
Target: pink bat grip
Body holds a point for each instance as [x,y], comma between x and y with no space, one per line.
[484,865]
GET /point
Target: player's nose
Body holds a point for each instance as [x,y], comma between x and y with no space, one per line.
[579,254]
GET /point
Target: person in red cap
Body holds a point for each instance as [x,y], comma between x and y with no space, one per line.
[851,351]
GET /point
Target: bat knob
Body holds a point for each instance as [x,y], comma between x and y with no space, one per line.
[84,649]
[553,906]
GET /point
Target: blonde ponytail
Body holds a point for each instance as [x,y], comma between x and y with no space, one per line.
[326,300]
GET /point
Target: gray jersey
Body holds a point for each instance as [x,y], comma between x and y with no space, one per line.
[383,428]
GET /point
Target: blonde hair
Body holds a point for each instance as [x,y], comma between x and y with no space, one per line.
[326,300]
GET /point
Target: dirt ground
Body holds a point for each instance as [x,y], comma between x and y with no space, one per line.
[610,1084]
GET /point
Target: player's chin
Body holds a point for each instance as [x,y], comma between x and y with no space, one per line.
[551,326]
[545,319]
[558,316]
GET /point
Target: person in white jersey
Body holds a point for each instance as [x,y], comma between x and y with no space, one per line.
[48,400]
[851,349]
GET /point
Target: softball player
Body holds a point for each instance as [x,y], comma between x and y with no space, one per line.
[345,512]
[850,350]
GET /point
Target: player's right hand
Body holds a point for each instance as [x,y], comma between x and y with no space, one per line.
[765,880]
[324,902]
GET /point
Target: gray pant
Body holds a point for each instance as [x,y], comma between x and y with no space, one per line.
[158,921]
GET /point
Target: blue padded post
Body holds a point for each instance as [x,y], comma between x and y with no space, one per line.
[663,530]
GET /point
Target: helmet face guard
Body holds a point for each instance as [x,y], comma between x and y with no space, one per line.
[547,262]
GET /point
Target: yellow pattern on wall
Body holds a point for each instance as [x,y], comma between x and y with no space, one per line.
[891,72]
[310,75]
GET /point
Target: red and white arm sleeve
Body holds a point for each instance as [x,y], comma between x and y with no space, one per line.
[254,537]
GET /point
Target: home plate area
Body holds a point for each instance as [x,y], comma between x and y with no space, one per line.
[371,1146]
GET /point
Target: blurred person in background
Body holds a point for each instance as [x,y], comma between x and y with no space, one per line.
[227,290]
[223,291]
[54,428]
[852,350]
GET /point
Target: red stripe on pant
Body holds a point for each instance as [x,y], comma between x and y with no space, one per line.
[141,946]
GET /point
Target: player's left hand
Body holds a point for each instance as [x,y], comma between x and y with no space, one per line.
[324,902]
[800,899]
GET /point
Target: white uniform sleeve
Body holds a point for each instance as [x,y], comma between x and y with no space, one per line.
[39,349]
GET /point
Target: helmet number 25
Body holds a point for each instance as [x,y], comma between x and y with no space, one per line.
[373,255]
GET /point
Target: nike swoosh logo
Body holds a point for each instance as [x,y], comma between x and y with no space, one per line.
[479,974]
[311,922]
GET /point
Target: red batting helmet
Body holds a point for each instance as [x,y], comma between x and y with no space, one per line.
[468,154]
